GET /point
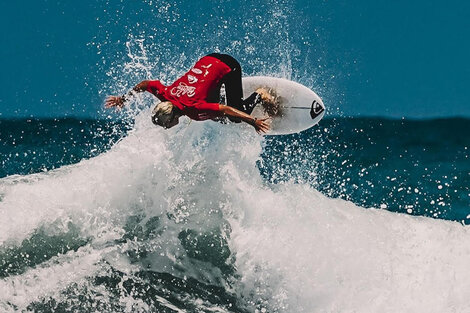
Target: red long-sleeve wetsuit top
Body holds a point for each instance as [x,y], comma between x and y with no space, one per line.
[196,93]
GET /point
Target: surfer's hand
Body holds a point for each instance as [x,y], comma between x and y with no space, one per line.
[113,101]
[261,125]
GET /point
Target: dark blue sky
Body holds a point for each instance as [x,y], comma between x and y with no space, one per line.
[386,58]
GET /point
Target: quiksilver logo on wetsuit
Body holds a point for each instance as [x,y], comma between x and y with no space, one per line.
[192,79]
[183,89]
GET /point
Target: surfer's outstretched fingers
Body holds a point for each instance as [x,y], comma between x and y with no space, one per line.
[113,101]
[110,102]
[261,125]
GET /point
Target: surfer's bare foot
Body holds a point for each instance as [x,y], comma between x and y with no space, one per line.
[269,99]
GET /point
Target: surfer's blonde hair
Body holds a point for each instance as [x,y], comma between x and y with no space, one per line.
[162,113]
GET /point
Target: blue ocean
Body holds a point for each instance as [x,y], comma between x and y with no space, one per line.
[102,211]
[112,216]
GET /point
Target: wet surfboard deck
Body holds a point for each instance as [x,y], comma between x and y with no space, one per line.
[300,107]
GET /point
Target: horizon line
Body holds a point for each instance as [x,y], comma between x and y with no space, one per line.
[330,117]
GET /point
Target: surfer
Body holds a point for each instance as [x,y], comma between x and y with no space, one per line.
[196,94]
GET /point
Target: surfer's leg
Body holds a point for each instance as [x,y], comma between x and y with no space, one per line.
[233,85]
[234,93]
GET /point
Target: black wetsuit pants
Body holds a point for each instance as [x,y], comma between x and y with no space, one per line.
[233,85]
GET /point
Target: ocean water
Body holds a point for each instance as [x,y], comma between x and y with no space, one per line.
[105,212]
[353,215]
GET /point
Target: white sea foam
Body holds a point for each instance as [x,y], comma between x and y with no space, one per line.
[296,250]
[48,279]
[304,252]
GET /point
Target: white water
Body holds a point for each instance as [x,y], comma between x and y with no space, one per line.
[296,250]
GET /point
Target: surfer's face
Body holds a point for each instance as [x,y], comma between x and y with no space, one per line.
[165,115]
[173,122]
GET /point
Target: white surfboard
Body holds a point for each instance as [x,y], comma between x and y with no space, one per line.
[300,107]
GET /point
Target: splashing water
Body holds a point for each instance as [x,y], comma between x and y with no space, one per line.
[191,204]
[210,217]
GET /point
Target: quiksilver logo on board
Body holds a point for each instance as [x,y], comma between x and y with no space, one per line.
[316,109]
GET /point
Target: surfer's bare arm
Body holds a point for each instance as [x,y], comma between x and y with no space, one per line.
[260,125]
[119,101]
